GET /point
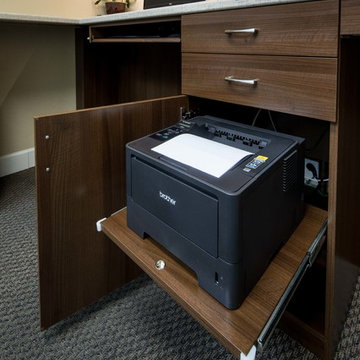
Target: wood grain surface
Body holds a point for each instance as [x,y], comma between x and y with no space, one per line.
[295,85]
[139,40]
[343,260]
[80,178]
[350,17]
[307,335]
[237,329]
[113,73]
[303,29]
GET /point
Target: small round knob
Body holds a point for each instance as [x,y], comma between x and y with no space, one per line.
[160,264]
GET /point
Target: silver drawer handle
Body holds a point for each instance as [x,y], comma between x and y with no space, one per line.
[250,31]
[252,82]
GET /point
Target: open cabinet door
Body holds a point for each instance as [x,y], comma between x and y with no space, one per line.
[80,178]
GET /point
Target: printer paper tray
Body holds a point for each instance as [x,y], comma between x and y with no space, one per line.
[238,330]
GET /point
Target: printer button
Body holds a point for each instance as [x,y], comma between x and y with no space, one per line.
[262,144]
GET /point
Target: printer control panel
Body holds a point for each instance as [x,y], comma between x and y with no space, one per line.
[214,132]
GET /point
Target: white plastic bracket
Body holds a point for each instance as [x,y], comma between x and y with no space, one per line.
[98,224]
[250,356]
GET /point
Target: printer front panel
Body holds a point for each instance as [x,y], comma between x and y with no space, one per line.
[190,231]
[184,208]
[214,275]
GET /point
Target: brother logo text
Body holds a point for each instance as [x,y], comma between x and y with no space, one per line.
[167,198]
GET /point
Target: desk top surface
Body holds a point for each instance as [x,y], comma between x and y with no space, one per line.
[196,7]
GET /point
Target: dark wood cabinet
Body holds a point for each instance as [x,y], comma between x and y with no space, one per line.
[310,78]
[350,17]
[114,70]
[80,167]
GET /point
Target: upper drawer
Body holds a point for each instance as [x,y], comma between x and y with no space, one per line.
[307,29]
[350,17]
[296,85]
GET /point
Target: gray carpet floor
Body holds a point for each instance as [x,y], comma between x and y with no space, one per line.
[139,321]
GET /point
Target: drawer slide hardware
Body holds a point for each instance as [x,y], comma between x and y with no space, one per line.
[250,31]
[251,82]
[290,290]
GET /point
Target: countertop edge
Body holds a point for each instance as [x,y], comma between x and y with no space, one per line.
[176,10]
[37,19]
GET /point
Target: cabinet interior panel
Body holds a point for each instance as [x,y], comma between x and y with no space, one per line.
[111,73]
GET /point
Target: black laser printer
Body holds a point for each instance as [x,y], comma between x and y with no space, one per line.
[225,227]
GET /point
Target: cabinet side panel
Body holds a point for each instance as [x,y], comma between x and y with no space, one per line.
[343,262]
[80,172]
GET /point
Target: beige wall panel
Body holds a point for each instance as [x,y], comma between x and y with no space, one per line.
[63,8]
[37,76]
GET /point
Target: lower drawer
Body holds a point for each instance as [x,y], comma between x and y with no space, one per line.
[297,85]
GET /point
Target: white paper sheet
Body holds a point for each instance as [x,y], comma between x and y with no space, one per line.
[206,155]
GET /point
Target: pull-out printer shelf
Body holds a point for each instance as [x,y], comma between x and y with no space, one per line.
[246,328]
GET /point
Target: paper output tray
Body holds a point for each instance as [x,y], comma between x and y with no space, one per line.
[248,327]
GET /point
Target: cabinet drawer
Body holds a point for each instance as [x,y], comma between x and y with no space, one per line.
[350,17]
[308,29]
[300,86]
